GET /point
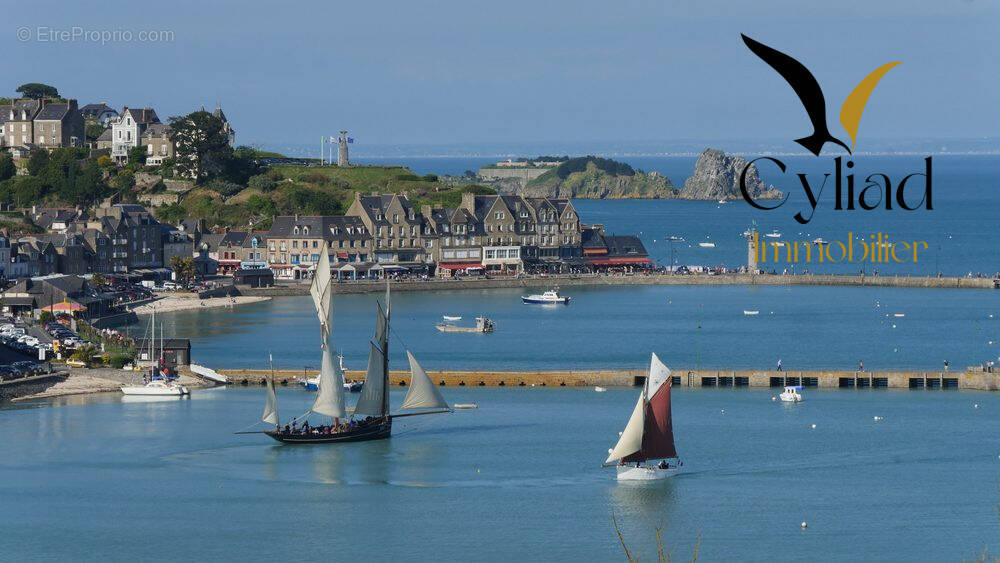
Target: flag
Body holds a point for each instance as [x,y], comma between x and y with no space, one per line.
[350,139]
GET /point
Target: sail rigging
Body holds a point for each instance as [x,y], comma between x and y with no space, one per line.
[649,432]
[330,398]
[374,400]
[422,393]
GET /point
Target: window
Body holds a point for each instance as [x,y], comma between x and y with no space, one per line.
[295,230]
[395,218]
[315,257]
[315,244]
[305,230]
[295,244]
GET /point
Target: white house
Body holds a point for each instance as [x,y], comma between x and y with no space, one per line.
[127,130]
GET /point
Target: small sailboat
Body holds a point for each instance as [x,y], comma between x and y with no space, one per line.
[159,384]
[371,419]
[791,394]
[649,434]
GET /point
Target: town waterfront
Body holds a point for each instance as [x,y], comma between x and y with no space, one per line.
[95,477]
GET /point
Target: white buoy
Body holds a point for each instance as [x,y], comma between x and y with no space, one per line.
[804,525]
[723,411]
[975,406]
[814,427]
[773,398]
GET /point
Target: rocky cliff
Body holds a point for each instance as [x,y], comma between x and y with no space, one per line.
[593,182]
[717,176]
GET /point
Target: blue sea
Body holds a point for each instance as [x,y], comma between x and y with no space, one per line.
[103,478]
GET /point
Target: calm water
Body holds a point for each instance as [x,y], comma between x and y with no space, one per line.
[961,231]
[617,327]
[98,478]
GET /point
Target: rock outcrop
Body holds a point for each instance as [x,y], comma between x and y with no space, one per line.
[717,176]
[593,183]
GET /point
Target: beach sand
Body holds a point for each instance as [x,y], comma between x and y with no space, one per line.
[168,304]
[82,381]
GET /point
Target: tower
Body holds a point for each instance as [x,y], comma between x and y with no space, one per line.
[342,141]
[752,241]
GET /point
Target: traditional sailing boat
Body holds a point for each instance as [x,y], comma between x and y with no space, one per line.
[649,433]
[373,404]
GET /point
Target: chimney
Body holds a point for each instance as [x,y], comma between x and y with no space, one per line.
[469,202]
[425,210]
[72,105]
[357,196]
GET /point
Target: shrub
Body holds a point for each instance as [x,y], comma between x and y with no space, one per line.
[263,182]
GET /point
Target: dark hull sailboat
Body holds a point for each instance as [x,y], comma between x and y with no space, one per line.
[371,419]
[374,430]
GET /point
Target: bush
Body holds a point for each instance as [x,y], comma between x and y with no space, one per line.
[46,317]
[118,360]
[430,178]
[263,182]
[225,189]
[104,161]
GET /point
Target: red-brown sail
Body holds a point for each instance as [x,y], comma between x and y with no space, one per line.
[658,431]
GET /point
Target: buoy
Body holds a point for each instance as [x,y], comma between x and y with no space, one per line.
[975,406]
[477,470]
[723,411]
[773,398]
[804,524]
[813,426]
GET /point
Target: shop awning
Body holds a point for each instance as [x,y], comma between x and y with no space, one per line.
[460,265]
[621,261]
[18,301]
[342,255]
[64,307]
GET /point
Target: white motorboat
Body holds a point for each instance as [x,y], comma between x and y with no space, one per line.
[649,433]
[550,297]
[157,387]
[750,313]
[312,383]
[723,202]
[465,406]
[791,394]
[706,244]
[599,389]
[819,242]
[773,234]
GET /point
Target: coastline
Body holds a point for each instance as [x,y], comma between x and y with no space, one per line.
[84,381]
[171,304]
[567,280]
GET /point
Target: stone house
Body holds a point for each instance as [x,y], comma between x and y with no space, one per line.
[73,255]
[159,147]
[19,126]
[98,113]
[38,255]
[396,229]
[5,272]
[136,237]
[59,125]
[456,239]
[176,242]
[294,243]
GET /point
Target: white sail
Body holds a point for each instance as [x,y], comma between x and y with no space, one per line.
[321,289]
[330,398]
[422,393]
[270,414]
[631,438]
[372,399]
[658,375]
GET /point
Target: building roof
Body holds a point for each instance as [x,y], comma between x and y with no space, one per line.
[624,245]
[156,130]
[94,110]
[53,112]
[141,115]
[328,227]
[106,135]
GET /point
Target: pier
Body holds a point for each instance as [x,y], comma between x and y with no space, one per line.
[968,380]
[571,280]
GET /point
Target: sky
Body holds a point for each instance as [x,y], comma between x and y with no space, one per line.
[448,72]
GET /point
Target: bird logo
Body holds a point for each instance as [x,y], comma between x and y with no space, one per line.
[811,95]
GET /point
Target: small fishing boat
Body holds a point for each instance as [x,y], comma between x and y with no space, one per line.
[899,315]
[550,297]
[819,242]
[706,244]
[750,312]
[649,434]
[483,324]
[599,389]
[465,406]
[791,394]
[773,234]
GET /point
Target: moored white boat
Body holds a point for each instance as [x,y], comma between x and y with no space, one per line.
[649,434]
[157,387]
[773,234]
[599,389]
[549,297]
[750,313]
[465,406]
[706,244]
[791,394]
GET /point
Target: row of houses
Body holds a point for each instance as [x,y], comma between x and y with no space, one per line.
[28,124]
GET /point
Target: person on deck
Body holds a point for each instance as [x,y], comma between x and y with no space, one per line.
[779,364]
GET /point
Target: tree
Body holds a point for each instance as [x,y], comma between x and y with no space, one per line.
[184,270]
[261,182]
[137,155]
[37,162]
[201,145]
[37,90]
[94,130]
[7,168]
[104,161]
[98,280]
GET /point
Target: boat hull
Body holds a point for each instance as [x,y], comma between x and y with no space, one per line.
[645,472]
[538,301]
[377,431]
[790,398]
[155,391]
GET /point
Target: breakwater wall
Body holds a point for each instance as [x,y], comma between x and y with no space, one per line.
[10,390]
[974,380]
[660,279]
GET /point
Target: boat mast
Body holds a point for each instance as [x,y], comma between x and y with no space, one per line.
[152,339]
[385,355]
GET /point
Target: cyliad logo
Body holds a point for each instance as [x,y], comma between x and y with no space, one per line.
[811,95]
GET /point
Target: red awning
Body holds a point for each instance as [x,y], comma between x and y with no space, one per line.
[588,251]
[620,261]
[459,265]
[65,306]
[342,255]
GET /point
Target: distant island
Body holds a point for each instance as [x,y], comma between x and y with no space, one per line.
[715,177]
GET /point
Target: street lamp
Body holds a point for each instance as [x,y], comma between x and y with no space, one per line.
[673,264]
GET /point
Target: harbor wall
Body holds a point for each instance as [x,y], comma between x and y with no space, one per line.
[658,279]
[10,390]
[970,380]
